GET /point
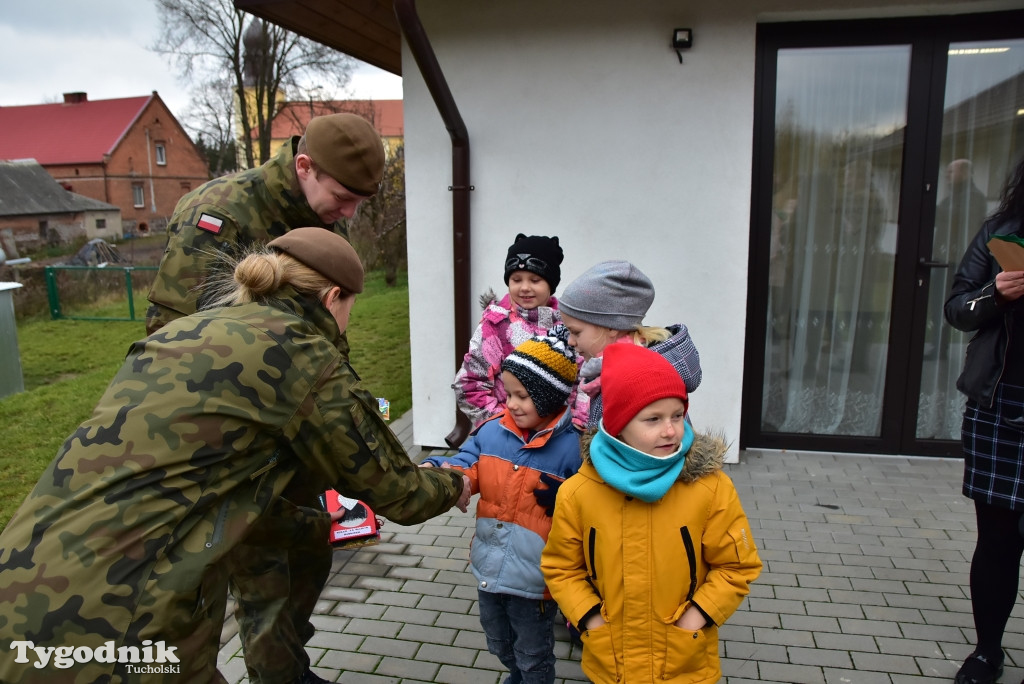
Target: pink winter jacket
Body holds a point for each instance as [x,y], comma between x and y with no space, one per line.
[503,326]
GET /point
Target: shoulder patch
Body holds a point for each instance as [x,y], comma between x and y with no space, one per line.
[210,223]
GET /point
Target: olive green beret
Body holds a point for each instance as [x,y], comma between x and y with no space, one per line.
[348,149]
[325,252]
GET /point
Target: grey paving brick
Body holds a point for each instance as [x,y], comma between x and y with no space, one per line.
[426,574]
[450,674]
[471,639]
[879,586]
[389,646]
[453,564]
[428,588]
[893,614]
[364,678]
[458,621]
[407,669]
[766,605]
[783,637]
[777,579]
[819,581]
[349,661]
[465,592]
[810,623]
[847,642]
[412,615]
[882,662]
[834,676]
[858,597]
[358,610]
[819,656]
[428,634]
[394,598]
[335,641]
[445,604]
[869,627]
[934,632]
[452,655]
[795,674]
[851,570]
[804,594]
[372,627]
[837,610]
[739,651]
[379,583]
[912,647]
[334,593]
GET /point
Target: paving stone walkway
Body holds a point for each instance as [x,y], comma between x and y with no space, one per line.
[865,581]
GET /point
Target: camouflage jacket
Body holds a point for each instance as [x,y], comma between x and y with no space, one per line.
[205,424]
[226,214]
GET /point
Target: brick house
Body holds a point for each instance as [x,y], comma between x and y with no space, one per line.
[129,152]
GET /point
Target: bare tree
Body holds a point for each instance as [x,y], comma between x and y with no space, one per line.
[210,120]
[378,230]
[213,43]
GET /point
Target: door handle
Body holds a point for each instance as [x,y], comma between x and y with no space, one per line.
[932,264]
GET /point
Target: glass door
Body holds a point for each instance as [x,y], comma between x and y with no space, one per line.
[880,146]
[839,115]
[981,140]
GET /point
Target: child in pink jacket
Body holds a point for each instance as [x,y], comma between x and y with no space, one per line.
[532,272]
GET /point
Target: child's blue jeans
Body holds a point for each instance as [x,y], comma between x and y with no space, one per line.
[521,633]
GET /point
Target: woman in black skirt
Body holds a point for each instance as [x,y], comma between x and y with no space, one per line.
[988,301]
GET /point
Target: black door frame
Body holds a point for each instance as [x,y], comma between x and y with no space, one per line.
[929,38]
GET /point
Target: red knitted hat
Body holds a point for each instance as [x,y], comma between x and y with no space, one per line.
[631,378]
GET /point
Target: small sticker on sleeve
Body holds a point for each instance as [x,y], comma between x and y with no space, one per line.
[209,223]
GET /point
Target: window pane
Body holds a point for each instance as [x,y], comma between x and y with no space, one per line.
[982,137]
[839,121]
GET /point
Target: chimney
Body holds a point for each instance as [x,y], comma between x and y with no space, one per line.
[75,98]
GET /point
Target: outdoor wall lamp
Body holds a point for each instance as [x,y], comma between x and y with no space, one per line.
[682,39]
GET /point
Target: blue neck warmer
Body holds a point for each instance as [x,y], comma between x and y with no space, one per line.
[633,472]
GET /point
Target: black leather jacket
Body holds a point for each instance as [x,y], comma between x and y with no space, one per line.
[974,306]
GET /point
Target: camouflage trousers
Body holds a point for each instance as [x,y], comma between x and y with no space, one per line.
[276,577]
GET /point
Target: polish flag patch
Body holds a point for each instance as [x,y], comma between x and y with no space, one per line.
[210,224]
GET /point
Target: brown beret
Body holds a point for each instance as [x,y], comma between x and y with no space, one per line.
[348,149]
[325,252]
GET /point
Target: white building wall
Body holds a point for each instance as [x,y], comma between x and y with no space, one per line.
[583,124]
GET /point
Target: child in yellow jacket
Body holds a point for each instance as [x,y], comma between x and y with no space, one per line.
[649,550]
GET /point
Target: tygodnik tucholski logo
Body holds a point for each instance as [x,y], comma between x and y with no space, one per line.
[150,658]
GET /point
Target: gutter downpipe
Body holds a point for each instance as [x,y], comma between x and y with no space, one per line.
[419,44]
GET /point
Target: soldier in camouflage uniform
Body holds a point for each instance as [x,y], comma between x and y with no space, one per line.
[314,181]
[123,542]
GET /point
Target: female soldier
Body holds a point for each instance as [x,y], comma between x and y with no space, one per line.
[119,551]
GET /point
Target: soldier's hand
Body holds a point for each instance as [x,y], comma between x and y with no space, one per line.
[463,503]
[425,464]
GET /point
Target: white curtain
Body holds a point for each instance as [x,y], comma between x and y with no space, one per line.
[840,116]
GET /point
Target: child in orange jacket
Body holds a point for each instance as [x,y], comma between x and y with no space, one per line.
[516,461]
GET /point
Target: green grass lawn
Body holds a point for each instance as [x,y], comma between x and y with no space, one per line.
[68,364]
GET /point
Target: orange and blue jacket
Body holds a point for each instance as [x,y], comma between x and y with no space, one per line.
[504,465]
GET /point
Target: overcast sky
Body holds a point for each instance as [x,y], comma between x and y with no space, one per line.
[49,47]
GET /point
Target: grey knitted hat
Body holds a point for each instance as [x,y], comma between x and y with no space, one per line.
[613,294]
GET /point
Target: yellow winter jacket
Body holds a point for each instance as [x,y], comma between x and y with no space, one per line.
[645,563]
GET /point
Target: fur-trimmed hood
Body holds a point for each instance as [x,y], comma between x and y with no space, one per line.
[706,454]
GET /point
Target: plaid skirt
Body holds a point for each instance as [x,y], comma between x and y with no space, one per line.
[993,441]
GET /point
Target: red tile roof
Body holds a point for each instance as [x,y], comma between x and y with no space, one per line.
[385,115]
[67,133]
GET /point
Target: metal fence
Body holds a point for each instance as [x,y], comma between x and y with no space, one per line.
[88,287]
